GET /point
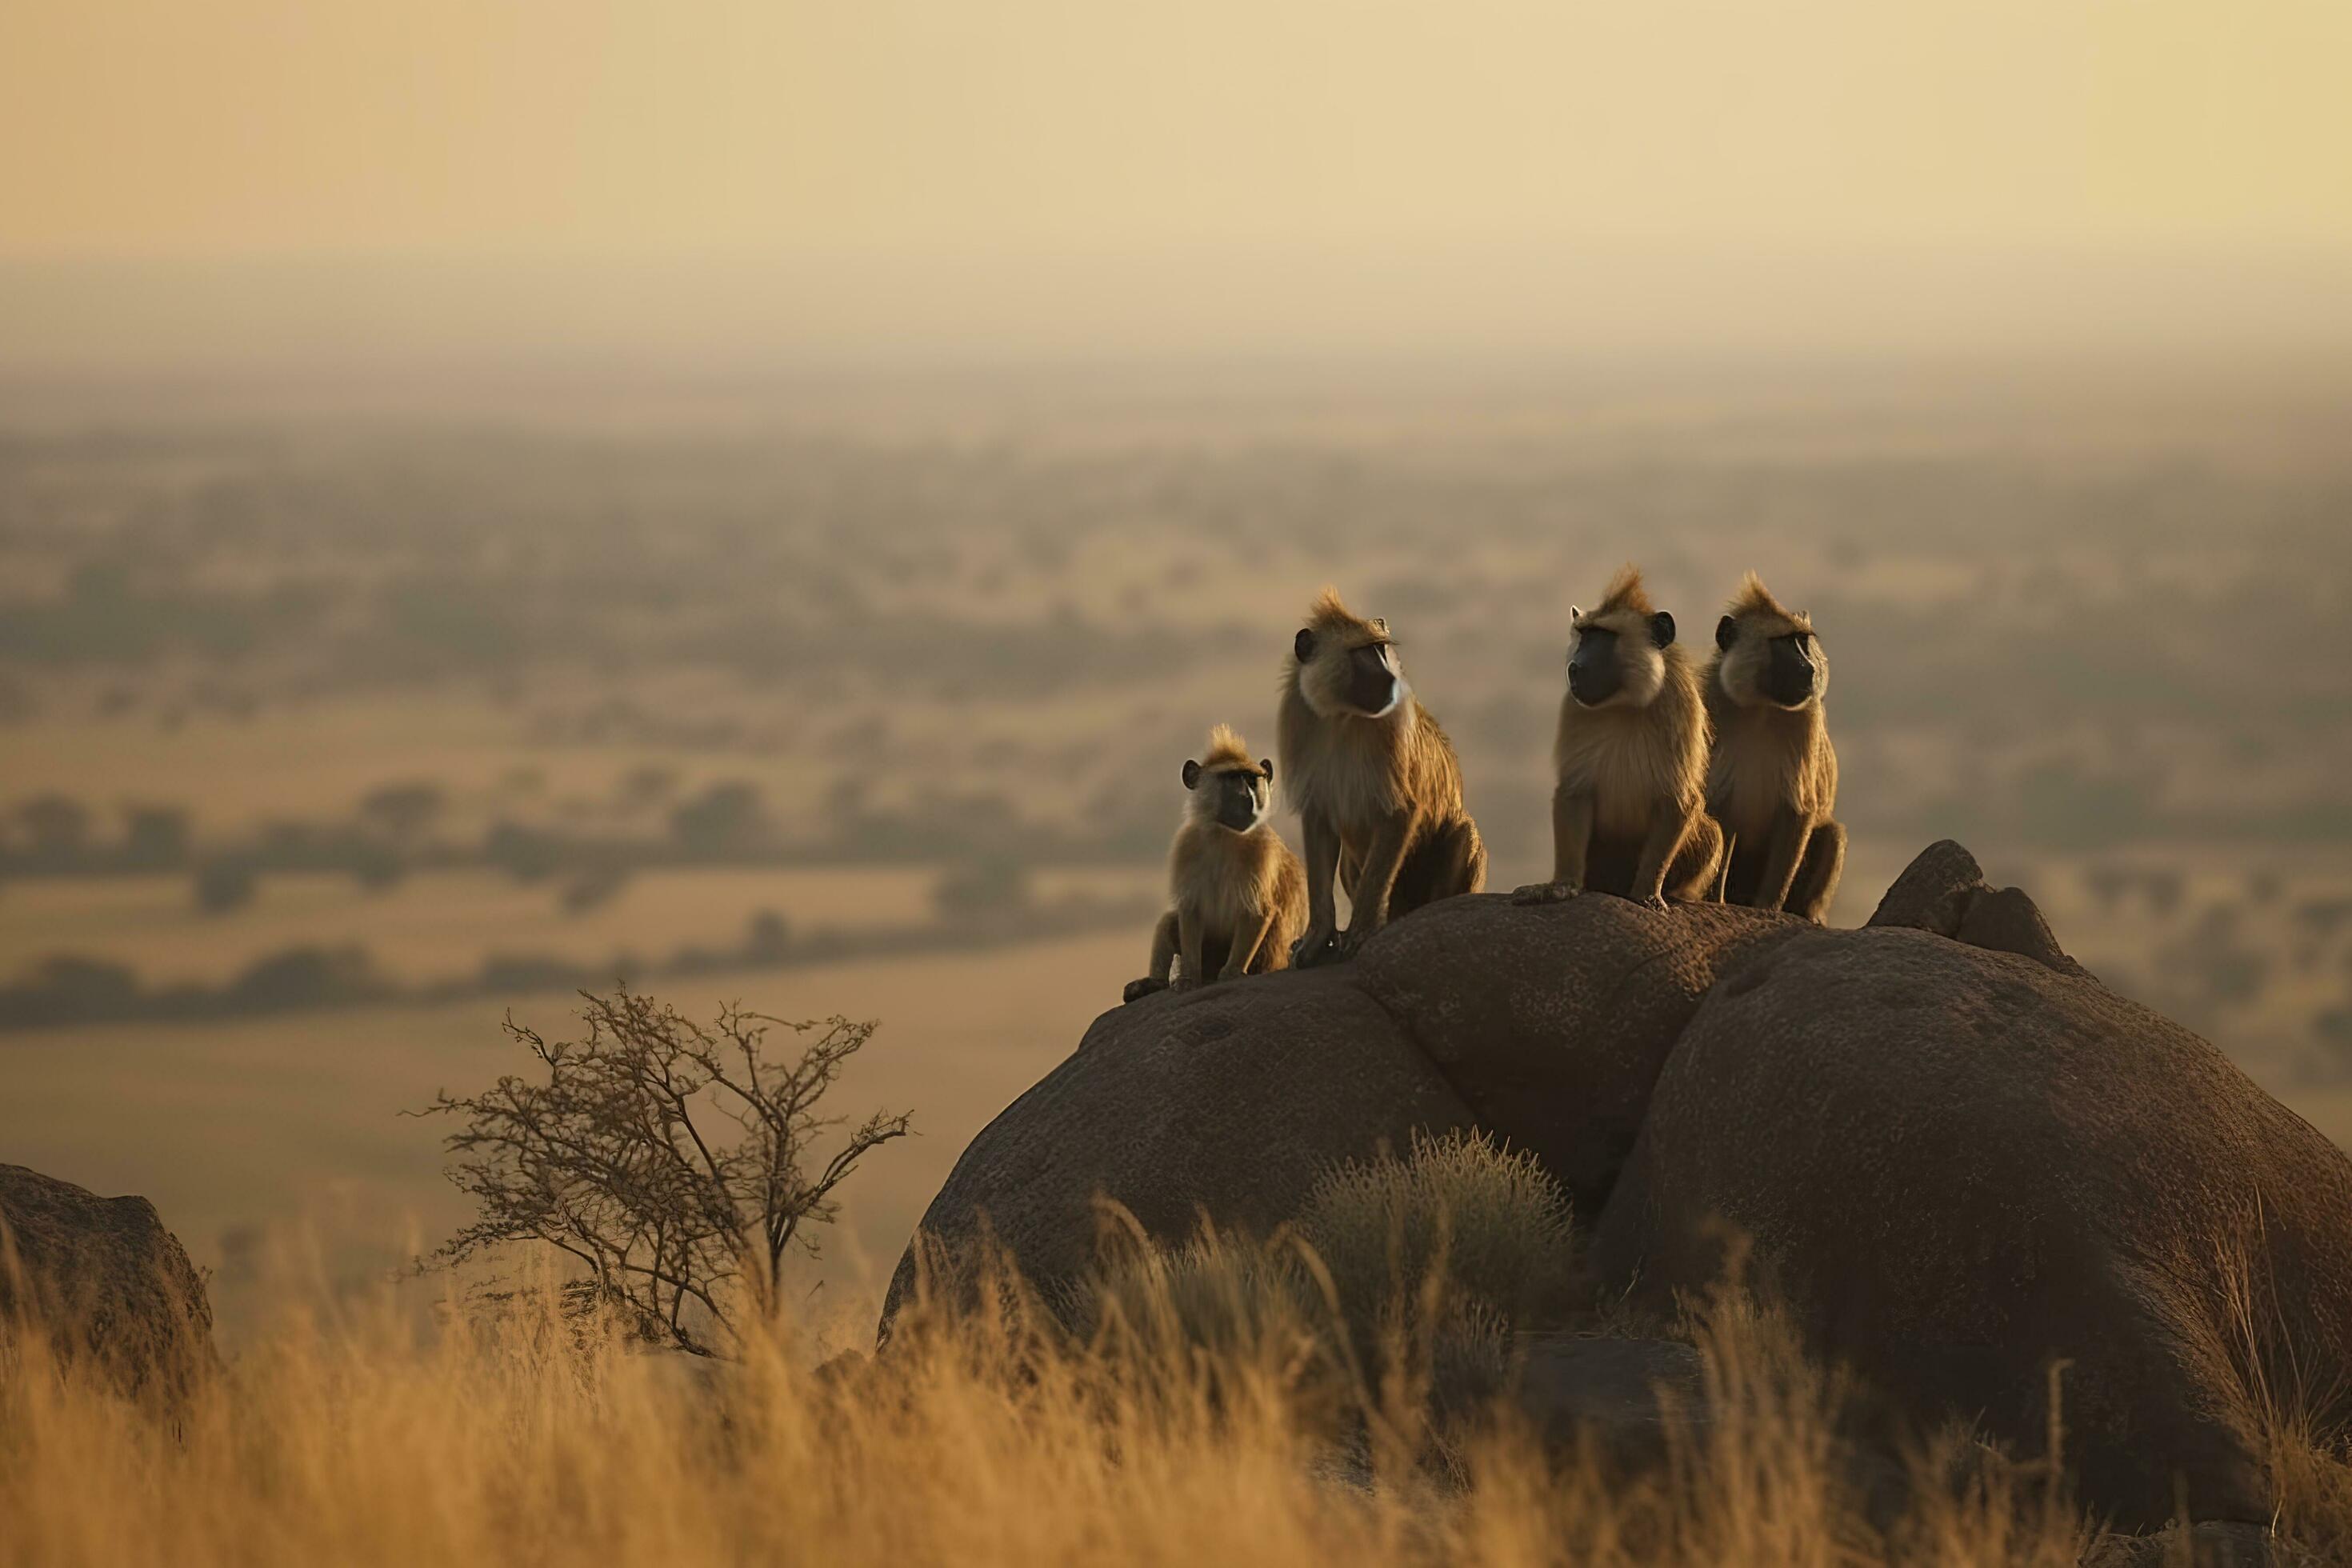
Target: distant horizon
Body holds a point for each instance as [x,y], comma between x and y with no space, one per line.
[805,314]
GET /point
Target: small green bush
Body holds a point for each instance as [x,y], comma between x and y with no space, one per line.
[1422,1266]
[1488,1221]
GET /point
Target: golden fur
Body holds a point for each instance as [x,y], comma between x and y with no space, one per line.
[1631,772]
[1237,897]
[1384,788]
[1773,779]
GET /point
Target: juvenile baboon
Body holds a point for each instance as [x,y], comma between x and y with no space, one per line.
[1375,781]
[1772,781]
[1237,896]
[1629,816]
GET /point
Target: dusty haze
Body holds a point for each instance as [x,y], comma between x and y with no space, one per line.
[269,180]
[761,499]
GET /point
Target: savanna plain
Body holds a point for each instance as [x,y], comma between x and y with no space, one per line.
[337,727]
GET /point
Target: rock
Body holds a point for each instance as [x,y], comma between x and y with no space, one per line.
[1934,891]
[1944,890]
[102,1278]
[1960,1165]
[1552,1021]
[1226,1101]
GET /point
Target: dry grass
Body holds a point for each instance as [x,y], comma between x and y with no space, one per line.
[347,1440]
[1207,1412]
[349,1435]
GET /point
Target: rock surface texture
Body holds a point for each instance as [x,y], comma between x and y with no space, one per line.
[1957,1157]
[101,1278]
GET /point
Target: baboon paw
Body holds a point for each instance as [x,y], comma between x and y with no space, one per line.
[1184,982]
[1137,990]
[1654,901]
[1544,893]
[1312,949]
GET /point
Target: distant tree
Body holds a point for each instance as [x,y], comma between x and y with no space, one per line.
[224,883]
[300,977]
[723,817]
[403,810]
[523,853]
[767,939]
[2332,1029]
[377,865]
[57,825]
[989,884]
[155,837]
[676,1164]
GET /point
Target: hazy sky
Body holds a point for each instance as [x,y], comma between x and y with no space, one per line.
[182,171]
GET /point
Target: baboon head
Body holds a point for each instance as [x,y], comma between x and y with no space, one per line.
[1617,654]
[1228,789]
[1346,666]
[1767,654]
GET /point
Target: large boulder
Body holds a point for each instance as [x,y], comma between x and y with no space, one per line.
[1552,1022]
[1961,1165]
[1544,1025]
[100,1279]
[1224,1102]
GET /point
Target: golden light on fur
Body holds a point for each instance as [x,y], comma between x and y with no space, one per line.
[1626,594]
[1772,774]
[1237,896]
[1374,780]
[1630,759]
[1226,749]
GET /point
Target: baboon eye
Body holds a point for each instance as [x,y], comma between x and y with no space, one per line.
[1726,632]
[1304,646]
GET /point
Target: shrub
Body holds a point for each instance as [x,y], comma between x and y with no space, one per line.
[1400,1280]
[676,1165]
[1490,1219]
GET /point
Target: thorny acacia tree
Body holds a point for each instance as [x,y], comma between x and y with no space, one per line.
[619,1153]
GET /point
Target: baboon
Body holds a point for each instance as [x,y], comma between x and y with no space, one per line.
[1374,780]
[1772,781]
[1237,896]
[1629,816]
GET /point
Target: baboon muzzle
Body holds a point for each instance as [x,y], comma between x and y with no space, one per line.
[1594,674]
[1789,677]
[1373,686]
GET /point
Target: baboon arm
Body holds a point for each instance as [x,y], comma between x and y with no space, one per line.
[1241,955]
[1571,835]
[1163,947]
[1668,828]
[1322,864]
[1191,935]
[1374,883]
[1781,858]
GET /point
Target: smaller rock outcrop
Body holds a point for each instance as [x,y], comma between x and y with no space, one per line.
[100,1279]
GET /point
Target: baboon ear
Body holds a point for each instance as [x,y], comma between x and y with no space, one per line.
[1662,629]
[1726,632]
[1266,768]
[1381,625]
[1304,645]
[1574,615]
[1191,775]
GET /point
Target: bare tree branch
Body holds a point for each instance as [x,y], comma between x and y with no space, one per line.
[602,1155]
